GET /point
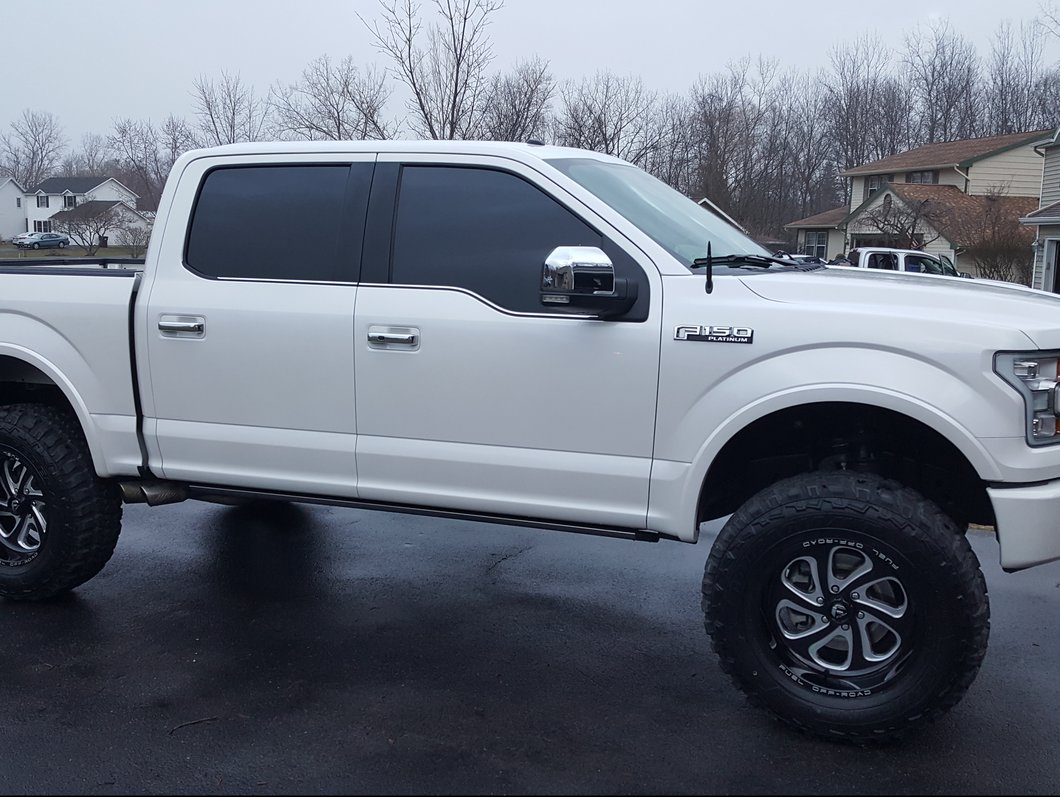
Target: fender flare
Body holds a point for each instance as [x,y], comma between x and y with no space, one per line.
[73,397]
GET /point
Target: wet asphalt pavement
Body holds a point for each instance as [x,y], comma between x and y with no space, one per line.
[291,649]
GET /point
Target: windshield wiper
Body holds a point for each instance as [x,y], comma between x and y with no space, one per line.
[754,260]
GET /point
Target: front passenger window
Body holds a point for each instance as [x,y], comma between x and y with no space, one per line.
[487,231]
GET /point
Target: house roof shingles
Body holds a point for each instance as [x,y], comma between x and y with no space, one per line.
[958,215]
[86,210]
[827,218]
[1048,212]
[947,153]
[75,185]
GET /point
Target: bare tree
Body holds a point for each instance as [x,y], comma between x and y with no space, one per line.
[33,149]
[516,104]
[91,159]
[610,114]
[853,95]
[944,76]
[906,225]
[135,236]
[88,224]
[332,102]
[228,110]
[998,243]
[447,74]
[145,154]
[1014,78]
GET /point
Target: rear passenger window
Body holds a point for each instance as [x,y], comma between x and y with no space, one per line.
[280,222]
[480,229]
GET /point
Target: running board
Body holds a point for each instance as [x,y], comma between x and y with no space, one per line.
[207,493]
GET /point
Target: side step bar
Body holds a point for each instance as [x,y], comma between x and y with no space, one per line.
[155,492]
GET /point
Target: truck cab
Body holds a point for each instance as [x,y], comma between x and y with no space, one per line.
[913,261]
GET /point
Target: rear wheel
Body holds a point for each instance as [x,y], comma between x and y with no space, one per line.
[849,606]
[36,246]
[59,522]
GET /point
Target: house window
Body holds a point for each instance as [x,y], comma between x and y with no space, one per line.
[875,182]
[42,225]
[69,201]
[18,202]
[42,201]
[923,178]
[815,243]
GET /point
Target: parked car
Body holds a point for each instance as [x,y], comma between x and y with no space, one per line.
[42,240]
[22,236]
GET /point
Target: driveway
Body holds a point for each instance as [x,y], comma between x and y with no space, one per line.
[283,649]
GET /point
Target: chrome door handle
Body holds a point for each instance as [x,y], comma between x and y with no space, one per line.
[402,338]
[182,326]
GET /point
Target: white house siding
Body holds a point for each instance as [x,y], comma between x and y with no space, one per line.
[12,215]
[948,177]
[834,246]
[857,190]
[1019,171]
[1051,177]
[112,190]
[1045,258]
[107,190]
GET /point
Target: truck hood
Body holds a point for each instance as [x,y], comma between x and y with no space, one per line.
[986,303]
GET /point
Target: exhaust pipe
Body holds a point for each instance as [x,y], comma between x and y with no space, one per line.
[154,493]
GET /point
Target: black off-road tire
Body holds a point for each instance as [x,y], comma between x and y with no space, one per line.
[81,510]
[919,602]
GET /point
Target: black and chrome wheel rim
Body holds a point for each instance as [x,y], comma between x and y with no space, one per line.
[840,615]
[23,518]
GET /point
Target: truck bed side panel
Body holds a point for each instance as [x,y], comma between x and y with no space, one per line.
[75,328]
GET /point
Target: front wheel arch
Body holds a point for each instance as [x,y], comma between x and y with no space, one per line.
[843,436]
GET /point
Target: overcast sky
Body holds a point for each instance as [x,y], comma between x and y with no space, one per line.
[91,61]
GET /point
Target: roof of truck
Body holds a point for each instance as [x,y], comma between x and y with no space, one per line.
[521,151]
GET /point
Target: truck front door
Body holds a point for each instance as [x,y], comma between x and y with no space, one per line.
[470,393]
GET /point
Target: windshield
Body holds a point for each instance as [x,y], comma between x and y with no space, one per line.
[948,268]
[668,217]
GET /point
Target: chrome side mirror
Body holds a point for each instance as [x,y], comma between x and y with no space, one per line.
[583,278]
[576,270]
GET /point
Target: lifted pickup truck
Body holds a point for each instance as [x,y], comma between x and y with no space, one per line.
[551,337]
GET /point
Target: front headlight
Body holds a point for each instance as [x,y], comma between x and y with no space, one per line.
[1034,375]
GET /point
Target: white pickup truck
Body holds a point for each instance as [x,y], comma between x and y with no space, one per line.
[912,261]
[538,336]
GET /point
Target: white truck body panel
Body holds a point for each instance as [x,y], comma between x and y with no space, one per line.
[524,414]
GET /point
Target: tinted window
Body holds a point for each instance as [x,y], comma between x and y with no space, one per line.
[280,222]
[483,230]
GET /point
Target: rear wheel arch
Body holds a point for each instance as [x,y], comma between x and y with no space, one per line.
[25,379]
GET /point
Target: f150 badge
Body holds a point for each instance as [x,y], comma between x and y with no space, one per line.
[714,334]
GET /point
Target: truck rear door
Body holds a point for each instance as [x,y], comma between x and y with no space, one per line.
[249,324]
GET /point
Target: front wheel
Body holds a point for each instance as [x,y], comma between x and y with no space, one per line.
[62,245]
[59,522]
[849,606]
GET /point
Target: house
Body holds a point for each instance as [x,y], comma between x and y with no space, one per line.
[938,197]
[62,193]
[12,214]
[107,222]
[1045,220]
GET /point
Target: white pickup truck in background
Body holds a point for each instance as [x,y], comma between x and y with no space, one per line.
[550,337]
[912,261]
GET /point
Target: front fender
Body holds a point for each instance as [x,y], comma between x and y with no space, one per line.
[690,435]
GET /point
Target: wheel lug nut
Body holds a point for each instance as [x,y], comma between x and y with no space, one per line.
[820,600]
[861,615]
[824,619]
[846,627]
[835,588]
[854,595]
